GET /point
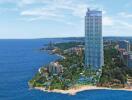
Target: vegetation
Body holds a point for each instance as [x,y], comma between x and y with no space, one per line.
[73,70]
[67,45]
[114,72]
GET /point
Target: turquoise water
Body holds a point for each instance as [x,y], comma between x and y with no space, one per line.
[20,60]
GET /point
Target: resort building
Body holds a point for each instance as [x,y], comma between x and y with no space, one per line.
[76,50]
[94,56]
[130,59]
[55,68]
[124,45]
[126,57]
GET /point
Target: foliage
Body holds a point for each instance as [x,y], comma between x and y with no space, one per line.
[67,45]
[72,67]
[114,71]
[113,68]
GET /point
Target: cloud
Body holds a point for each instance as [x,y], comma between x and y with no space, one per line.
[118,24]
[125,15]
[56,9]
[119,28]
[52,8]
[20,1]
[40,12]
[7,1]
[62,10]
[107,21]
[125,24]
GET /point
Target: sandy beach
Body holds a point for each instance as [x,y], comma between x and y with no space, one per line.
[75,90]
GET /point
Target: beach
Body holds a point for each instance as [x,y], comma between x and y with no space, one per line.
[75,90]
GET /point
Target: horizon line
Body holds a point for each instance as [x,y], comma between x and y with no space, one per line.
[54,37]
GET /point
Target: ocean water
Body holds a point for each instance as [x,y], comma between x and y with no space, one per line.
[20,60]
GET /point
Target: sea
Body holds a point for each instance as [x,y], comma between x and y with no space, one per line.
[21,59]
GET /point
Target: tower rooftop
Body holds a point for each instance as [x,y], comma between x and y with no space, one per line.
[93,12]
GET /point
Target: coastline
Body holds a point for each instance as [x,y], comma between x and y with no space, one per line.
[77,89]
[60,56]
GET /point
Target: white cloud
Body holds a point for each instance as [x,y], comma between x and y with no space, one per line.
[5,10]
[28,1]
[52,8]
[119,28]
[125,24]
[125,15]
[40,12]
[107,21]
[7,1]
[55,9]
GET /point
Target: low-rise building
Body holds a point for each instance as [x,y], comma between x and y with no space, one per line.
[77,50]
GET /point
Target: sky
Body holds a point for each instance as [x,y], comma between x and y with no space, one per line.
[61,18]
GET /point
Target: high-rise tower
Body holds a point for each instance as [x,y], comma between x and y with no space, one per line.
[94,56]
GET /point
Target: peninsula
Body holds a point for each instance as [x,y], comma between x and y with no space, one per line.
[68,75]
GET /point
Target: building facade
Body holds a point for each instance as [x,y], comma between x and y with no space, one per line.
[130,59]
[125,52]
[94,55]
[124,45]
[127,59]
[55,68]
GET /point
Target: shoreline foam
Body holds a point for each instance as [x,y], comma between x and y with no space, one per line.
[75,90]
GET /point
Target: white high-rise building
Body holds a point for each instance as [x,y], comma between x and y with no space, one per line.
[94,55]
